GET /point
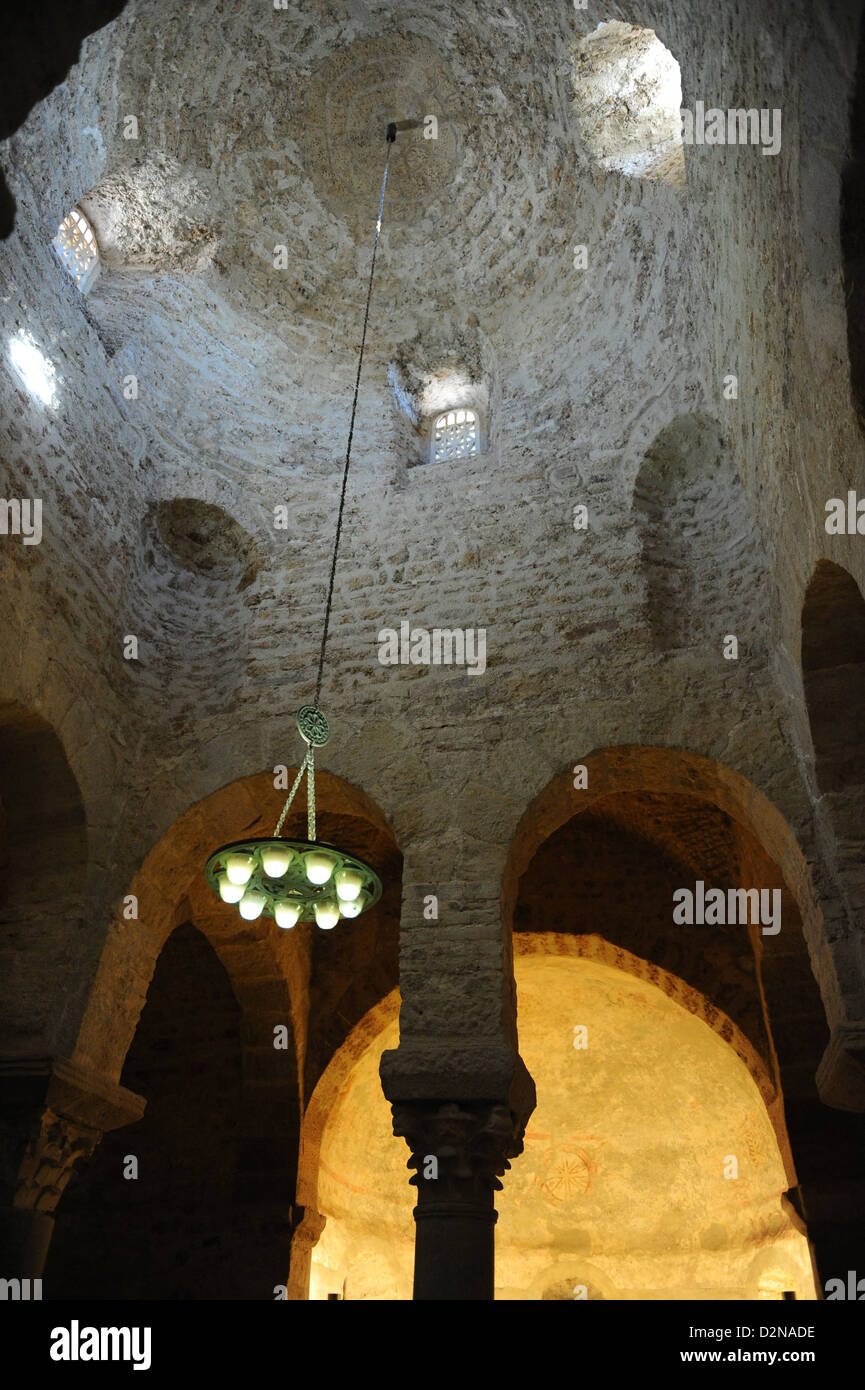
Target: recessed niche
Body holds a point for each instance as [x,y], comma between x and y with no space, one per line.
[628,98]
[442,384]
[207,541]
[154,216]
[833,672]
[702,557]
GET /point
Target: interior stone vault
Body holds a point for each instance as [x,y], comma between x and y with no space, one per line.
[609,439]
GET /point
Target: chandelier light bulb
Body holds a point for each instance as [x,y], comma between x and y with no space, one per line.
[319,866]
[251,905]
[353,907]
[326,914]
[348,884]
[228,891]
[239,868]
[275,860]
[286,913]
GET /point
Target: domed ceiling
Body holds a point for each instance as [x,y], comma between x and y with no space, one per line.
[276,137]
[237,155]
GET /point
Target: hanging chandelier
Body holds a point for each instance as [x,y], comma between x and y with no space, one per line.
[295,880]
[306,880]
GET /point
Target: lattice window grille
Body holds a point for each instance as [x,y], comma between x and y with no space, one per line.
[456,435]
[76,247]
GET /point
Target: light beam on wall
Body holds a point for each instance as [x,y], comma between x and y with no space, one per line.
[33,369]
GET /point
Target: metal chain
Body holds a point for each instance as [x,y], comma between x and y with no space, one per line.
[308,763]
[291,795]
[310,794]
[391,136]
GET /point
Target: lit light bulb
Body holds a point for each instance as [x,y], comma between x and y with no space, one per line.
[319,866]
[353,907]
[286,912]
[228,891]
[348,884]
[239,868]
[326,914]
[275,859]
[251,905]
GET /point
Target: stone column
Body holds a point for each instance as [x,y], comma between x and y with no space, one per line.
[459,1090]
[304,1240]
[459,1152]
[52,1114]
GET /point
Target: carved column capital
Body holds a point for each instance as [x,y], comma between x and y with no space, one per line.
[49,1159]
[472,1142]
[310,1225]
[52,1113]
[459,1151]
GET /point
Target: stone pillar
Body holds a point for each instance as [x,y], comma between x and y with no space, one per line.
[52,1114]
[459,1152]
[304,1240]
[459,1090]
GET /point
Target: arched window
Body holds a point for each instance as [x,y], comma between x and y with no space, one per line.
[75,245]
[456,434]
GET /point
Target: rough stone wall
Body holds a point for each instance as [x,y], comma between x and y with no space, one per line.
[244,375]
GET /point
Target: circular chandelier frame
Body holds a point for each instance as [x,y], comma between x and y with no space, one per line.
[294,887]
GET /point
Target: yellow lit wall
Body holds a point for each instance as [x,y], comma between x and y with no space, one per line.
[621,1190]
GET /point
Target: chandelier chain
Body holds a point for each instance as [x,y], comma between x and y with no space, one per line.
[291,796]
[310,794]
[391,136]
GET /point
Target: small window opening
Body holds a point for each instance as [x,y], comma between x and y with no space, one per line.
[76,247]
[456,435]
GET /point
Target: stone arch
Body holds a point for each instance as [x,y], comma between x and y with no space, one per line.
[169,887]
[317,985]
[627,1159]
[331,1088]
[43,870]
[791,1030]
[358,1207]
[646,769]
[594,947]
[192,557]
[702,559]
